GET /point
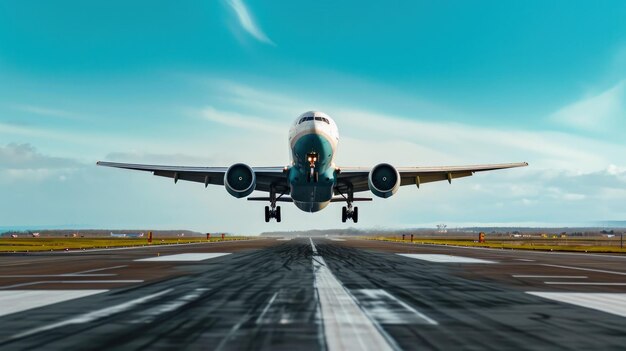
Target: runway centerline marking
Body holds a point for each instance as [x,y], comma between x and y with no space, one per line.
[13,301]
[439,258]
[346,326]
[185,257]
[614,303]
[584,269]
[267,307]
[334,239]
[524,260]
[550,276]
[94,315]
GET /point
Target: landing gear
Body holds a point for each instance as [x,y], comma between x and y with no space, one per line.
[313,174]
[349,212]
[272,211]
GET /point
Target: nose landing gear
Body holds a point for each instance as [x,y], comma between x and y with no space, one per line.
[313,175]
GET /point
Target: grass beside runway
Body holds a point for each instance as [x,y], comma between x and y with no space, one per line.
[572,245]
[56,244]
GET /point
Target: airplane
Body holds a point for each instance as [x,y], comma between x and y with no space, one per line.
[312,180]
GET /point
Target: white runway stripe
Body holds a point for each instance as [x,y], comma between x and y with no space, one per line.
[346,326]
[550,276]
[584,269]
[445,258]
[94,315]
[613,303]
[387,309]
[12,301]
[186,257]
[585,283]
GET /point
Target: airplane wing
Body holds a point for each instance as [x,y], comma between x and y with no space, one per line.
[357,176]
[210,175]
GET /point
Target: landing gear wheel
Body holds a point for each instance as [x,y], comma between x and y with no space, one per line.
[344,214]
[277,214]
[355,215]
[267,214]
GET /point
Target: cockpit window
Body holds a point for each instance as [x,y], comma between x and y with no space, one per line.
[321,119]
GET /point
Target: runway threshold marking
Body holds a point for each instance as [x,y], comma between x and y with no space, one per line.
[13,301]
[94,315]
[439,258]
[387,309]
[613,303]
[346,326]
[584,269]
[185,257]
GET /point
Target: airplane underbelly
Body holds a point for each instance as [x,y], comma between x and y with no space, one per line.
[311,206]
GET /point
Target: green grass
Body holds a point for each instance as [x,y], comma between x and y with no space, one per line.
[54,244]
[573,245]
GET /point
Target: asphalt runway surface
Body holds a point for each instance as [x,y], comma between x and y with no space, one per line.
[312,294]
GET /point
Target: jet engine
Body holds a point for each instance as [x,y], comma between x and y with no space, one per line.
[383,180]
[240,180]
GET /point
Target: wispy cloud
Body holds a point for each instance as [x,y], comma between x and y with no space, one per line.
[246,21]
[233,119]
[45,111]
[595,112]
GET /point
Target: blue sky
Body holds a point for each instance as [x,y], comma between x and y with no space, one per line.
[214,82]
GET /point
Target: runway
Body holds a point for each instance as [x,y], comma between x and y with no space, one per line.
[312,294]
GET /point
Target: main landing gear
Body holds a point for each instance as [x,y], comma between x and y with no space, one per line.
[349,212]
[272,211]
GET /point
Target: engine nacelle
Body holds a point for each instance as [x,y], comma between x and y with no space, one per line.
[240,180]
[383,180]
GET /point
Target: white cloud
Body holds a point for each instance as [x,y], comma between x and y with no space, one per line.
[246,21]
[596,112]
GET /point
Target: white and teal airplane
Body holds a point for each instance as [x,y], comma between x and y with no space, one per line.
[312,180]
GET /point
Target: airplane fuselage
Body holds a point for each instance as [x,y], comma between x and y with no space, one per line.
[313,140]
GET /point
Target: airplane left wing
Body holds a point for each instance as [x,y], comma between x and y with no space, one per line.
[265,176]
[357,177]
